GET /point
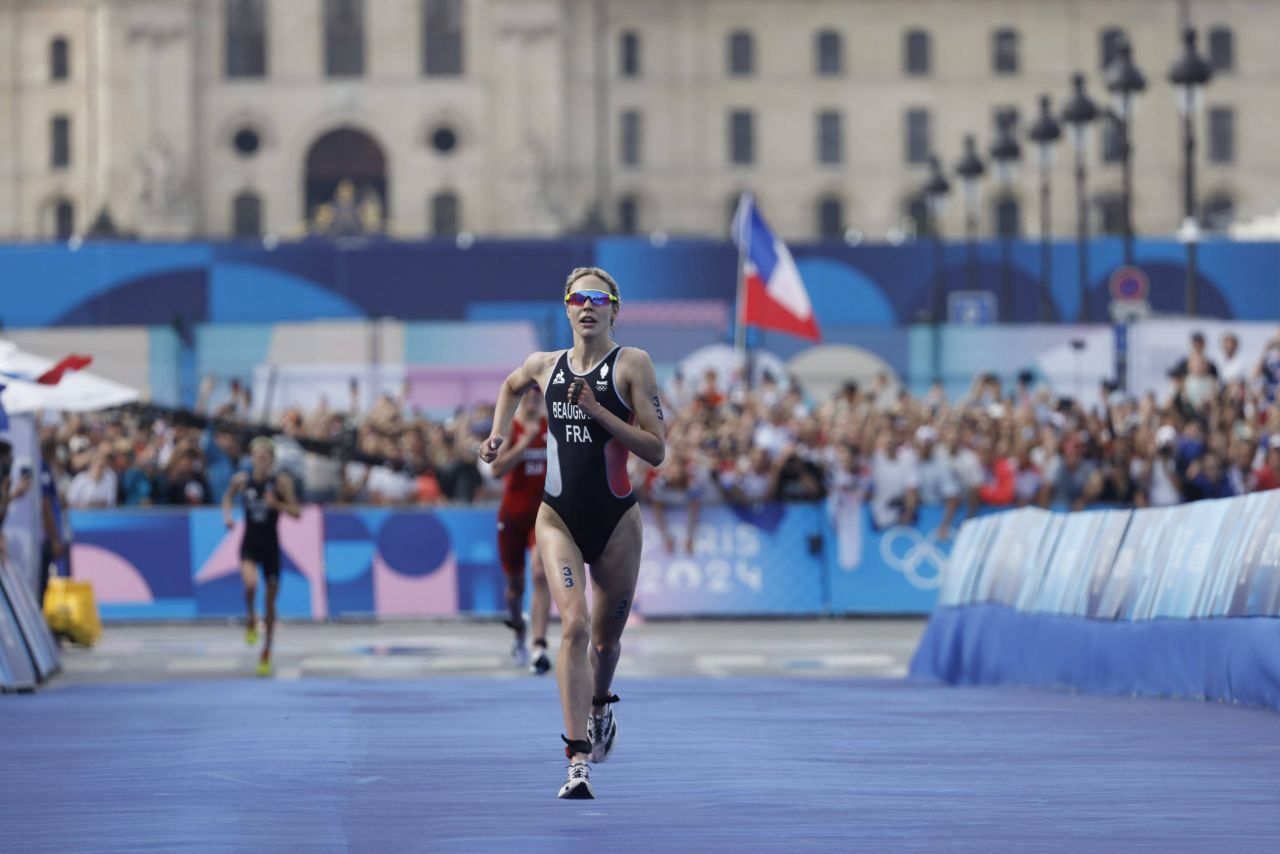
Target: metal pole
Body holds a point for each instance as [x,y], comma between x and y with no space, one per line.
[939,294]
[971,236]
[1127,173]
[1006,284]
[1046,273]
[1189,203]
[1082,235]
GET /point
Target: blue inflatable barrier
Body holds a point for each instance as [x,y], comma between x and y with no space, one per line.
[17,670]
[1179,602]
[40,642]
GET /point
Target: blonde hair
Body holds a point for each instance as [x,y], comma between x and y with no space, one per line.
[602,275]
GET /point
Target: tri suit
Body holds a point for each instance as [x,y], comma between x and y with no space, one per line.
[521,499]
[587,482]
[261,543]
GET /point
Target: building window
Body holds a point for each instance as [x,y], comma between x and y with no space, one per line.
[830,218]
[630,137]
[64,219]
[1218,212]
[444,139]
[446,215]
[1110,213]
[829,52]
[60,142]
[246,38]
[442,38]
[1008,216]
[742,147]
[246,142]
[1222,49]
[1109,44]
[1004,51]
[1112,140]
[915,53]
[1222,135]
[344,38]
[919,145]
[246,215]
[629,53]
[830,144]
[59,59]
[628,215]
[742,53]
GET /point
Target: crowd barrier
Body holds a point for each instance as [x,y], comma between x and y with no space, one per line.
[1180,601]
[772,559]
[28,652]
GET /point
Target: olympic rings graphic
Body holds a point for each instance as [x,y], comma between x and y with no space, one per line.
[920,551]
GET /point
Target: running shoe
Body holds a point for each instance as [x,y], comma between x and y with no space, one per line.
[264,667]
[578,786]
[602,732]
[520,654]
[541,662]
[251,636]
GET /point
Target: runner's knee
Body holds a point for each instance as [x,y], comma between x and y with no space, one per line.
[607,648]
[575,630]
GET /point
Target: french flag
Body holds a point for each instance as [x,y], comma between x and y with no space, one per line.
[773,294]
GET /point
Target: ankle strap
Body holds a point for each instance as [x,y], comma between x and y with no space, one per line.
[575,745]
[605,700]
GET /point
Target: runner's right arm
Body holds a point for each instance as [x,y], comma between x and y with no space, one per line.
[508,397]
[237,483]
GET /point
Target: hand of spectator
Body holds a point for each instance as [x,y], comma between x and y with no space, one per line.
[228,521]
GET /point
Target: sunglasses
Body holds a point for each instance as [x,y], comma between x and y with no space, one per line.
[587,295]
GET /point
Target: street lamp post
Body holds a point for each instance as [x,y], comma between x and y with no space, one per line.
[1006,153]
[935,197]
[1078,113]
[970,169]
[1044,132]
[1124,80]
[1190,74]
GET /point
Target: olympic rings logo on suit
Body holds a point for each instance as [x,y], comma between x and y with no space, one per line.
[921,552]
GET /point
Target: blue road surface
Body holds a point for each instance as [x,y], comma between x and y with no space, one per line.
[764,764]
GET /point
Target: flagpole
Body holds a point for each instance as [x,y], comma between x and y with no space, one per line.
[740,329]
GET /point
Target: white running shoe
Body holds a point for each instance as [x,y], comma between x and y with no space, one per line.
[541,662]
[602,732]
[520,654]
[578,786]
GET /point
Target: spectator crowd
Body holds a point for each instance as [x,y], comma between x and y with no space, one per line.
[1215,432]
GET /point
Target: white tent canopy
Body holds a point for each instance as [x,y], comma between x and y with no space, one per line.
[79,391]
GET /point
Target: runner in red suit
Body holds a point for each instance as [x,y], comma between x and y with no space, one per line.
[524,464]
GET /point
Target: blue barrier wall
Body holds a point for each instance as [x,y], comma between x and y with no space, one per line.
[112,283]
[1180,601]
[352,562]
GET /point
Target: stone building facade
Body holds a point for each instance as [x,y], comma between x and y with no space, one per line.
[513,118]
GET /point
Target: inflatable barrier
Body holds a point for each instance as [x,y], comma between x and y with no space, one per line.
[28,652]
[769,559]
[1177,602]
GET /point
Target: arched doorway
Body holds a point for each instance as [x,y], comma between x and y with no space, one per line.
[346,183]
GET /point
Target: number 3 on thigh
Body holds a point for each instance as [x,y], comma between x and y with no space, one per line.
[566,573]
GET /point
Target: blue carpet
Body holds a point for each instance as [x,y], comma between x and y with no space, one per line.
[701,765]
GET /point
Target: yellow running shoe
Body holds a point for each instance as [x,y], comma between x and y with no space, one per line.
[251,636]
[264,667]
